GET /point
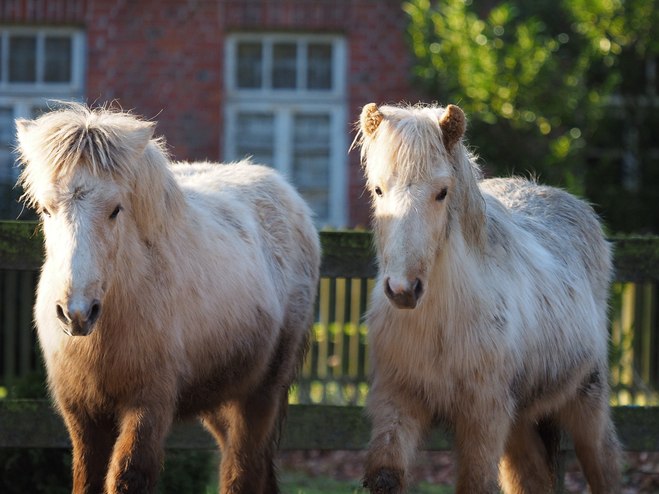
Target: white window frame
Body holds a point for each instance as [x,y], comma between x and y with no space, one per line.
[285,104]
[50,89]
[23,97]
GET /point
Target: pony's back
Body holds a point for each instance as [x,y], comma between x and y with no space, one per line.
[564,225]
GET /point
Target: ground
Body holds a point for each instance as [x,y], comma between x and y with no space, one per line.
[319,472]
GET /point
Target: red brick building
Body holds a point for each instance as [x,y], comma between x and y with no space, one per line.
[281,80]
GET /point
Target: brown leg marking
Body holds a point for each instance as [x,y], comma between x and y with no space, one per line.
[385,481]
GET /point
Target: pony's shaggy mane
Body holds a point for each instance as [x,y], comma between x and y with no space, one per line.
[103,140]
[412,136]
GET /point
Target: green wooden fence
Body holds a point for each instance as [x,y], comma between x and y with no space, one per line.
[338,356]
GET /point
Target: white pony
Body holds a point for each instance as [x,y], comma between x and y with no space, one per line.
[507,340]
[168,291]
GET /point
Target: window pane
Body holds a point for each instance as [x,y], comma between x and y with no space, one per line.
[319,66]
[6,126]
[249,65]
[22,59]
[9,208]
[311,162]
[58,60]
[255,137]
[284,65]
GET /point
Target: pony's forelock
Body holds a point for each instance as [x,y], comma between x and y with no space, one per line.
[408,142]
[103,140]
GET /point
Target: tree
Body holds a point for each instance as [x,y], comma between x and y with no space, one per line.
[535,78]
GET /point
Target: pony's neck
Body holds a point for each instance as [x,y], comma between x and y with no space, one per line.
[158,201]
[468,208]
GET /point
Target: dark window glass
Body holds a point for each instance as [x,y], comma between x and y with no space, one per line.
[255,137]
[250,57]
[319,66]
[58,60]
[284,59]
[22,59]
[311,156]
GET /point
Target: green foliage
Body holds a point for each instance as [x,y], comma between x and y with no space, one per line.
[38,471]
[533,77]
[186,471]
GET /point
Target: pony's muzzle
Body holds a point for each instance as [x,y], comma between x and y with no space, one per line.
[77,321]
[404,296]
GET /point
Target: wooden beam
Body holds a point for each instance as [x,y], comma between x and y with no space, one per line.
[34,424]
[346,254]
[21,245]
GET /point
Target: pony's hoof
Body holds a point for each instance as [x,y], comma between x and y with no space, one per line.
[385,481]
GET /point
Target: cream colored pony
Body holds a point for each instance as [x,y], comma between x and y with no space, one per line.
[489,314]
[168,291]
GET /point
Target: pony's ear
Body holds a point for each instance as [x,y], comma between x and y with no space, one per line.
[370,119]
[453,125]
[138,137]
[23,126]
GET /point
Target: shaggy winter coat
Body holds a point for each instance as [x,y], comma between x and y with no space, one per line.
[168,291]
[489,314]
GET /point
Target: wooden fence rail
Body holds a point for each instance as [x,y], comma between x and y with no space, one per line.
[346,254]
[349,255]
[34,424]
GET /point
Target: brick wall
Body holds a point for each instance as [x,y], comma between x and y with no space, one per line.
[164,59]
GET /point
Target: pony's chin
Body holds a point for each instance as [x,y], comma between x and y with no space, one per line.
[78,330]
[405,304]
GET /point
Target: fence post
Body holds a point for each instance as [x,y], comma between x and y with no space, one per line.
[9,328]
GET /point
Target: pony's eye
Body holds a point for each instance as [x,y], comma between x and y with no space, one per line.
[442,195]
[44,211]
[378,191]
[116,212]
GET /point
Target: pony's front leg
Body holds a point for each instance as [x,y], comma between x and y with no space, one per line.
[139,450]
[246,431]
[399,423]
[93,439]
[480,437]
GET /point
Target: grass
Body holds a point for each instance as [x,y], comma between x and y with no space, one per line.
[301,483]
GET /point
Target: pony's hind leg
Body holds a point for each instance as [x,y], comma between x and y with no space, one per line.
[587,417]
[528,464]
[246,431]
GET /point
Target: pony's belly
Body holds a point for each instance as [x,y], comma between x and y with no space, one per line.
[223,382]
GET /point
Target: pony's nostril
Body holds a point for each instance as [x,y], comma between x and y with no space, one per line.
[95,312]
[60,314]
[418,289]
[387,289]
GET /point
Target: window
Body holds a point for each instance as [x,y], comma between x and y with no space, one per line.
[286,108]
[36,65]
